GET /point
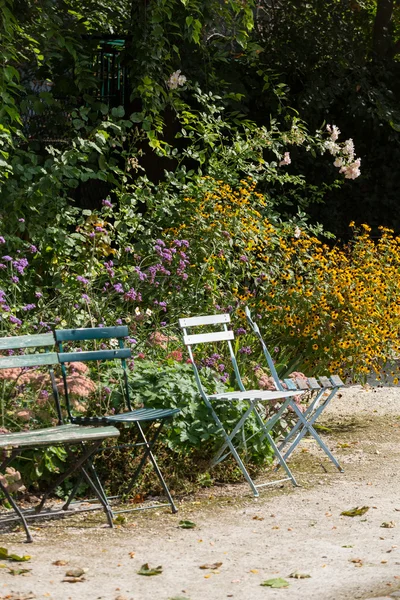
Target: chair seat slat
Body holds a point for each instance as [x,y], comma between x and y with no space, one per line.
[313,383]
[325,382]
[256,395]
[301,383]
[337,382]
[290,384]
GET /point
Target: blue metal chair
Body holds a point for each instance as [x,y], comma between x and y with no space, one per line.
[149,419]
[321,391]
[251,398]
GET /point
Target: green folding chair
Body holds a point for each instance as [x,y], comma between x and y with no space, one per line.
[80,443]
[321,391]
[251,398]
[147,422]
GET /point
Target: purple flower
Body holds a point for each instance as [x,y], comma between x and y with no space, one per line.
[5,307]
[15,320]
[14,279]
[76,306]
[2,240]
[106,389]
[131,341]
[245,350]
[44,394]
[163,306]
[82,279]
[106,203]
[224,378]
[276,349]
[243,258]
[33,249]
[118,288]
[128,249]
[3,266]
[20,265]
[28,307]
[101,325]
[6,258]
[160,243]
[86,298]
[241,331]
[163,323]
[21,220]
[38,294]
[131,295]
[119,321]
[92,234]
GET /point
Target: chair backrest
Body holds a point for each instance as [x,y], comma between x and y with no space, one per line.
[44,341]
[221,335]
[93,333]
[267,355]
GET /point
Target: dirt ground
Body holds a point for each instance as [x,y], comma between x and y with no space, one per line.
[240,541]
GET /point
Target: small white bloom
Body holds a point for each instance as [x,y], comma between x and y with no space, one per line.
[175,80]
[297,232]
[149,312]
[348,148]
[338,162]
[286,160]
[114,343]
[137,311]
[334,131]
[332,147]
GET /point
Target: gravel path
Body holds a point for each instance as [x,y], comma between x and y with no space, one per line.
[286,531]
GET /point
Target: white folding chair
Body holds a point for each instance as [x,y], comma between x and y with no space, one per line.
[251,398]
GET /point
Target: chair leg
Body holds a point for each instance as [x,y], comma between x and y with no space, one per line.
[18,511]
[149,454]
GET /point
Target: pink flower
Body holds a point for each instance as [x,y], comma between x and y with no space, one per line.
[286,160]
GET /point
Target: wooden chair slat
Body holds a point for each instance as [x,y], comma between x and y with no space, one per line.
[325,382]
[26,341]
[28,360]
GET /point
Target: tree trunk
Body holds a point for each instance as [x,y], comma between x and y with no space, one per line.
[382,33]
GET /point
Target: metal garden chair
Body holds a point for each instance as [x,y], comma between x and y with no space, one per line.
[251,398]
[80,442]
[147,422]
[322,392]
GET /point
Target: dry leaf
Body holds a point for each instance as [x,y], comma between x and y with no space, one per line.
[75,572]
[212,566]
[257,518]
[297,575]
[60,563]
[132,554]
[388,524]
[358,511]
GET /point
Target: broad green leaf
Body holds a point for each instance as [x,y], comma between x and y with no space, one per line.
[358,511]
[149,571]
[4,555]
[187,524]
[276,583]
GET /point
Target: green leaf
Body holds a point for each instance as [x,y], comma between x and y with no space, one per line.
[149,571]
[187,524]
[276,583]
[355,512]
[13,557]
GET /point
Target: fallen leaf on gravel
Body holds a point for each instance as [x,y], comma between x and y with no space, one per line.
[73,580]
[149,571]
[211,566]
[255,571]
[388,524]
[132,554]
[355,512]
[276,583]
[18,571]
[356,561]
[347,546]
[60,563]
[187,524]
[14,557]
[179,598]
[257,518]
[297,575]
[235,581]
[119,520]
[75,572]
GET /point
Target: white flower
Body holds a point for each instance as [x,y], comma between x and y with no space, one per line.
[149,312]
[334,131]
[297,232]
[348,148]
[332,147]
[137,311]
[286,160]
[338,162]
[175,80]
[352,171]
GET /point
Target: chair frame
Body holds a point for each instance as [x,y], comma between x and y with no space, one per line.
[134,417]
[317,405]
[252,397]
